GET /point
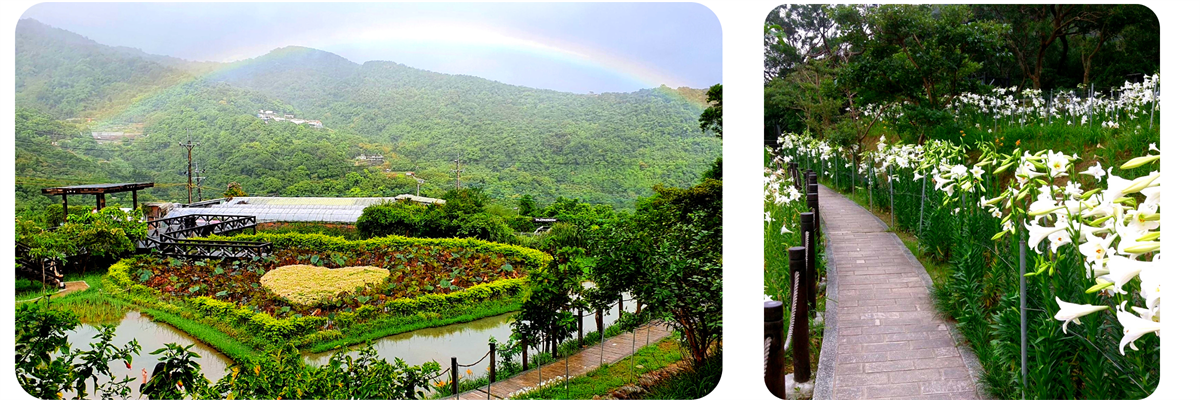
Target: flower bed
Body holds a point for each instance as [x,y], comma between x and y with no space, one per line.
[428,281]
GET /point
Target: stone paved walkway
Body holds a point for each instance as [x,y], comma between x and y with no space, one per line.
[615,349]
[889,340]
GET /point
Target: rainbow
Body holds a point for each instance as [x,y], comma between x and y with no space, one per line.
[446,34]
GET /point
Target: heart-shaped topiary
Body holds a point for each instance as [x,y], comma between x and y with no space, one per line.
[307,284]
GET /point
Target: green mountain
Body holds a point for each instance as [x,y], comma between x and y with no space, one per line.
[511,140]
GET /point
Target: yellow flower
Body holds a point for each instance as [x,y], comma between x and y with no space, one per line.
[468,371]
[257,369]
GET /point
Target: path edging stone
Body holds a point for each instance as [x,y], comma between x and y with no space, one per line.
[824,383]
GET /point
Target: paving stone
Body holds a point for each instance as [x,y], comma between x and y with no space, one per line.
[891,341]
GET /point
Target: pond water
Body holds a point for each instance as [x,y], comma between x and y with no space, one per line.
[151,336]
[468,341]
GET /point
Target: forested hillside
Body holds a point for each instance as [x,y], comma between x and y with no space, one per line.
[608,148]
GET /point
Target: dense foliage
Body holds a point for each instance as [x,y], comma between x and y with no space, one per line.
[47,368]
[834,70]
[1086,244]
[607,148]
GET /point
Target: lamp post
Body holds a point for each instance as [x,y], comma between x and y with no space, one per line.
[419,181]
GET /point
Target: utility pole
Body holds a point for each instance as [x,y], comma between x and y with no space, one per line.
[189,145]
[200,183]
[458,172]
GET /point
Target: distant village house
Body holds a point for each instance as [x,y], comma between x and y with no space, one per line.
[269,116]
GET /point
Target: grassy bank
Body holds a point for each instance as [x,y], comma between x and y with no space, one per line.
[609,377]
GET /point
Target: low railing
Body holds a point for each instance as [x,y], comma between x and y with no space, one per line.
[212,248]
[802,264]
[198,225]
[41,270]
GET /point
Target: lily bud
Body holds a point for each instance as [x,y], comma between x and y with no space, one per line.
[1139,161]
[1098,287]
[1143,248]
[1140,183]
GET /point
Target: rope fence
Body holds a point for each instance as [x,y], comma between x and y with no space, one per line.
[455,366]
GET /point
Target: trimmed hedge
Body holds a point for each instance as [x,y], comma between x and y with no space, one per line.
[319,242]
[307,330]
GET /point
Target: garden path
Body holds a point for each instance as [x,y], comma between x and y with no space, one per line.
[889,341]
[615,348]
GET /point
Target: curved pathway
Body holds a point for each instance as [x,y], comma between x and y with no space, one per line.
[615,349]
[884,339]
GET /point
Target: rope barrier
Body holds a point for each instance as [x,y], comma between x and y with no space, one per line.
[474,363]
[766,353]
[795,298]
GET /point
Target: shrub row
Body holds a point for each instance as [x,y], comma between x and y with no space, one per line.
[306,330]
[531,258]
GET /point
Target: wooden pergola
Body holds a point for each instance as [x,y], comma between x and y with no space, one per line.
[99,189]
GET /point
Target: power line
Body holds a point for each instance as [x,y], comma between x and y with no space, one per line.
[189,147]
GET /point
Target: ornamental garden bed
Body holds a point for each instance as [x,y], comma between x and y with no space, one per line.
[321,291]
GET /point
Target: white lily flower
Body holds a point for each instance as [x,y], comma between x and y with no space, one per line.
[1038,233]
[1123,269]
[1070,312]
[1151,285]
[784,230]
[768,217]
[1058,239]
[1096,249]
[1058,163]
[1095,171]
[1134,328]
[1140,221]
[1154,148]
[1153,195]
[958,171]
[978,172]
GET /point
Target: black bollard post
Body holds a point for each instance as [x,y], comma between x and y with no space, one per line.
[810,257]
[799,333]
[580,314]
[524,355]
[773,335]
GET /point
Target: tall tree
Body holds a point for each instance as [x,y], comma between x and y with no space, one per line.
[710,119]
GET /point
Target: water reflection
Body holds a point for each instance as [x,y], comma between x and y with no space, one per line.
[468,341]
[151,336]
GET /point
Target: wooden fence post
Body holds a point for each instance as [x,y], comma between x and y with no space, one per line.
[814,205]
[810,258]
[773,335]
[799,333]
[492,362]
[454,375]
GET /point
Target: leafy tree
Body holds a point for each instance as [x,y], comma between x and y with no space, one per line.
[916,56]
[710,120]
[234,189]
[41,335]
[546,315]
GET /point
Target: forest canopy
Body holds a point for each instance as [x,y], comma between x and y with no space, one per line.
[380,120]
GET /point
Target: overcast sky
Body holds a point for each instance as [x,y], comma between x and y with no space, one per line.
[579,48]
